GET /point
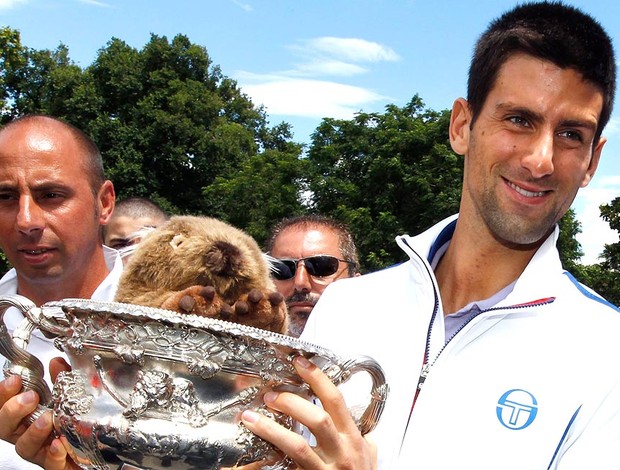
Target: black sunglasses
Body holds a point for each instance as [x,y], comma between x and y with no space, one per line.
[317,266]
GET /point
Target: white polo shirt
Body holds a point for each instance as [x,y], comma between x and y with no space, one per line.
[42,347]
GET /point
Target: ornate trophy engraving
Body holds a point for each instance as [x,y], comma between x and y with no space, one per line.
[157,389]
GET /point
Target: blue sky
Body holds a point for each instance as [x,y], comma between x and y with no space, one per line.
[308,59]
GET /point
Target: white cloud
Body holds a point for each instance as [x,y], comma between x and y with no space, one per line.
[595,231]
[244,6]
[96,3]
[304,91]
[328,67]
[8,4]
[310,98]
[612,127]
[338,56]
[347,49]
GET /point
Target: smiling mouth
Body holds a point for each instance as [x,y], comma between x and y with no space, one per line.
[35,252]
[525,192]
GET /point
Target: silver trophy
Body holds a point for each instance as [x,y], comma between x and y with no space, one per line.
[157,389]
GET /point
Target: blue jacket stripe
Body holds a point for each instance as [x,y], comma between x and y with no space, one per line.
[570,423]
[589,294]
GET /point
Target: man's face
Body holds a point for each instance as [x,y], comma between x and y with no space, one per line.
[529,151]
[120,232]
[303,290]
[49,217]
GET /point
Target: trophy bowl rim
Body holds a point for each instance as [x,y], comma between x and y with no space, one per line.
[176,319]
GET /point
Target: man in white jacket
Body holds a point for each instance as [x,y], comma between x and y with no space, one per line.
[496,358]
[54,199]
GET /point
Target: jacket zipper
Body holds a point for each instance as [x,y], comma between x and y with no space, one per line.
[426,367]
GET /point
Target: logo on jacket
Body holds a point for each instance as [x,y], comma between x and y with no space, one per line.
[516,409]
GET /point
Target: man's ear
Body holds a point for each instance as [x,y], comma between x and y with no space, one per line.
[596,158]
[105,200]
[460,122]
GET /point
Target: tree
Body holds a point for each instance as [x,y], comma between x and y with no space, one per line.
[172,123]
[384,175]
[167,121]
[11,57]
[611,253]
[605,276]
[568,246]
[264,190]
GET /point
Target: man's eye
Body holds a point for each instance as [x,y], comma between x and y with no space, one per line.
[519,121]
[572,135]
[117,245]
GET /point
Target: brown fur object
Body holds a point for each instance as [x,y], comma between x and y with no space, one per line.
[203,266]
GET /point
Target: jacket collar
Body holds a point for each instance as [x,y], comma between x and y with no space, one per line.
[544,265]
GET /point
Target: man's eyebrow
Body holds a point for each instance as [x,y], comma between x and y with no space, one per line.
[588,124]
[47,185]
[525,112]
[42,186]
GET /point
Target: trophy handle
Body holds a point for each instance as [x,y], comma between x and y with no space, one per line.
[379,391]
[340,374]
[19,361]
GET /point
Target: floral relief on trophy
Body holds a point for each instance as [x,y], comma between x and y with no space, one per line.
[204,354]
[154,444]
[69,394]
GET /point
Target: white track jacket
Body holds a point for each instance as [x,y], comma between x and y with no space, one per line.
[532,383]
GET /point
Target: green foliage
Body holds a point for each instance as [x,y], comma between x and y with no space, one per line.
[170,127]
[11,57]
[605,277]
[384,175]
[568,246]
[611,254]
[265,189]
[4,264]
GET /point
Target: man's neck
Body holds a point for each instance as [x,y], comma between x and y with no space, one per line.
[78,285]
[475,269]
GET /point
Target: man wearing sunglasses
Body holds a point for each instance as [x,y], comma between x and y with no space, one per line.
[309,253]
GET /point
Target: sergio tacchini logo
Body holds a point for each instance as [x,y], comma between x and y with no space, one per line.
[516,409]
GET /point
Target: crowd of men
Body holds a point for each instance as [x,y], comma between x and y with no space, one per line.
[496,357]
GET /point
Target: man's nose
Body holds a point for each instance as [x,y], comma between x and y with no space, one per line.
[30,216]
[302,278]
[539,158]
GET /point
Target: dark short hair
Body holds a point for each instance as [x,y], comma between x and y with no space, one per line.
[551,31]
[93,161]
[139,207]
[345,238]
